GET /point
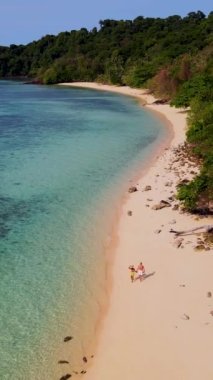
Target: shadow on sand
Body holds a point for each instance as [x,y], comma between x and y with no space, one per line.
[145,276]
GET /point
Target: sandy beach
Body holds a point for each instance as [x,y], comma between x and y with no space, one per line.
[162,327]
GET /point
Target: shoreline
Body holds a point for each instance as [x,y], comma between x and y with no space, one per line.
[145,329]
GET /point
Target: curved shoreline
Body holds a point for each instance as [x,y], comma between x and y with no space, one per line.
[143,330]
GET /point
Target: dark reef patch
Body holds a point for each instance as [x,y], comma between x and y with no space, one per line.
[13,211]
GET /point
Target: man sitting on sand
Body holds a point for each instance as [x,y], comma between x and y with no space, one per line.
[141,271]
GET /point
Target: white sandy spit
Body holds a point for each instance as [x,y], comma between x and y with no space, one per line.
[160,328]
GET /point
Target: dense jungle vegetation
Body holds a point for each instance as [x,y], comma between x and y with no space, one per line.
[173,57]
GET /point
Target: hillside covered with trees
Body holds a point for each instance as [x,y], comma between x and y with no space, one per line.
[173,57]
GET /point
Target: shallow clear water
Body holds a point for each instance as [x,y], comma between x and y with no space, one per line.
[65,157]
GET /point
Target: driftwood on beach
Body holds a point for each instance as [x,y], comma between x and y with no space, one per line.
[205,228]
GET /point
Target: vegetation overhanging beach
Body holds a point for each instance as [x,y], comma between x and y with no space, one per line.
[162,327]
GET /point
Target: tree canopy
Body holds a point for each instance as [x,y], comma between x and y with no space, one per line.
[120,52]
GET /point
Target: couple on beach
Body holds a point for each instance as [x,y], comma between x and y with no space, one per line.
[140,271]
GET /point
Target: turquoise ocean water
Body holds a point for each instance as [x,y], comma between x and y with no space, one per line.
[65,160]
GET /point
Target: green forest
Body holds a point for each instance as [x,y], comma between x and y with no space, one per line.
[173,57]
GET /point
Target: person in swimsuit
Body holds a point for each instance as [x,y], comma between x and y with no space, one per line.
[132,272]
[141,271]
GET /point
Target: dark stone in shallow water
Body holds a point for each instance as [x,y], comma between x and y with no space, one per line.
[84,359]
[67,338]
[63,362]
[65,377]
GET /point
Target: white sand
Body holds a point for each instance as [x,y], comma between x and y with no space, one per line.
[146,333]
